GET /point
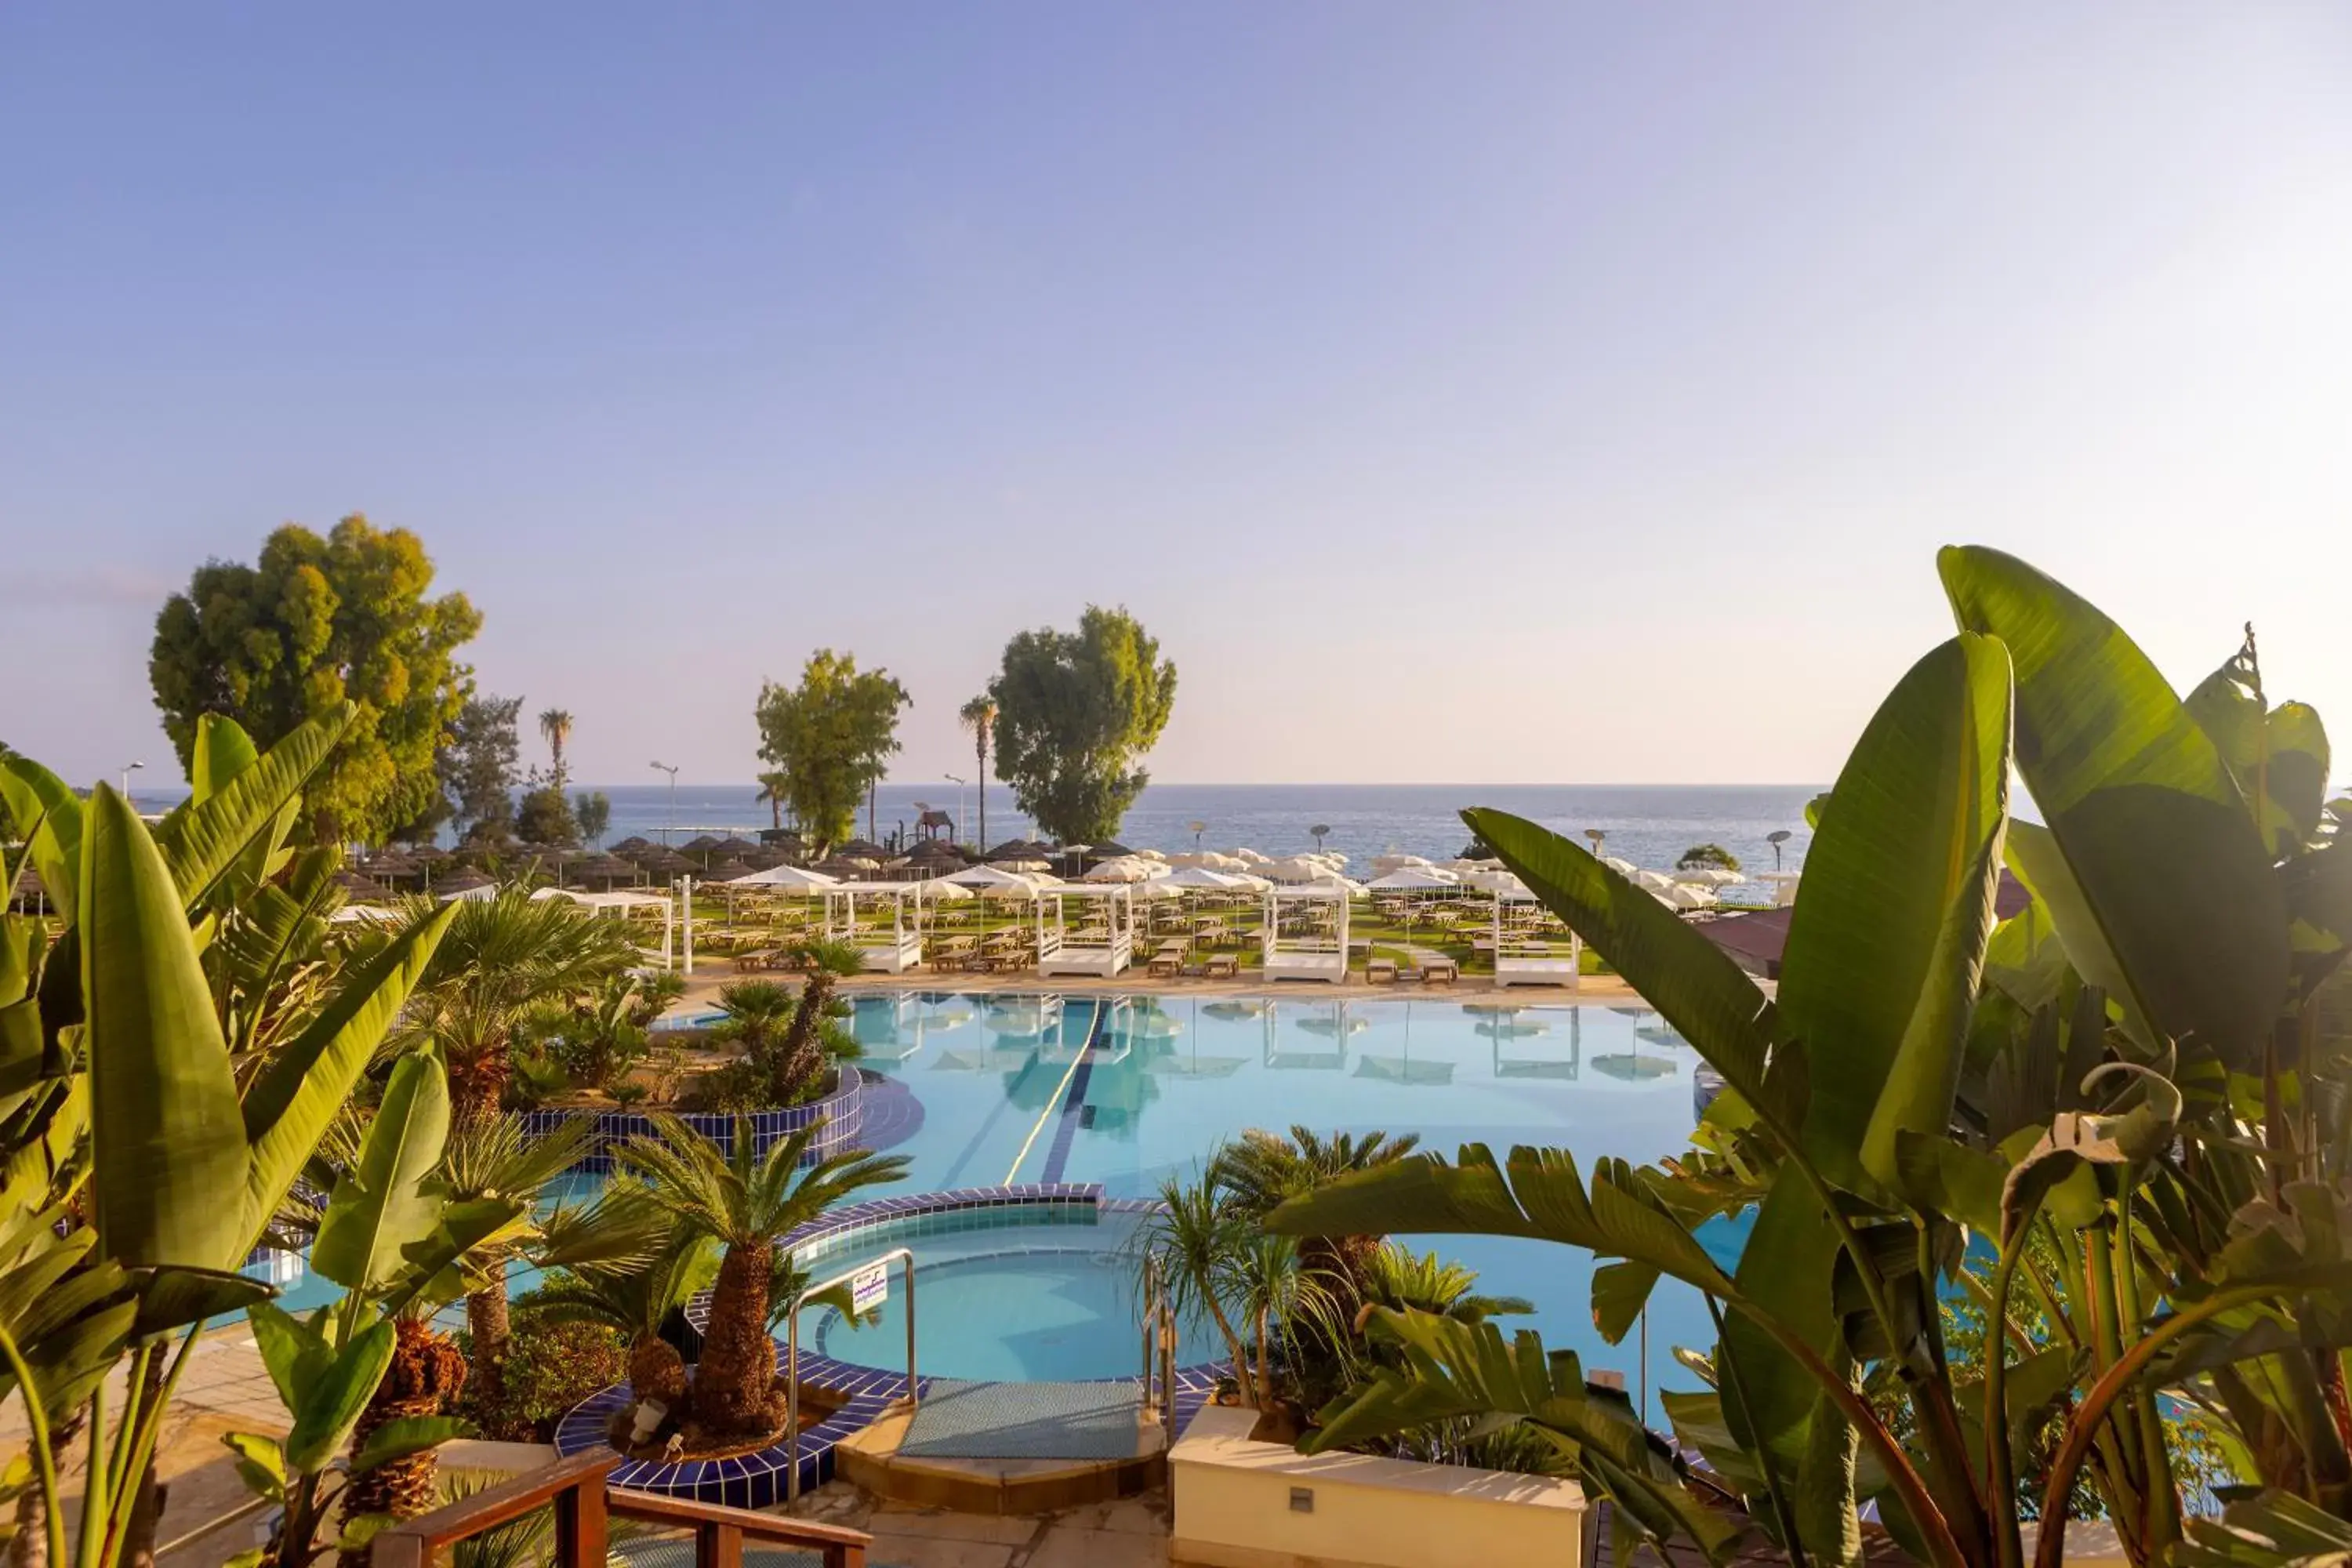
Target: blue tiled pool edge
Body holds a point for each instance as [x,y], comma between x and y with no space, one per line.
[842,1113]
[758,1479]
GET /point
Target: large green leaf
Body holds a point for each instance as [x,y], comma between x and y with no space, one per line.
[1692,983]
[289,1107]
[295,1354]
[1886,946]
[40,803]
[389,1200]
[2281,754]
[2140,803]
[222,751]
[168,1155]
[1543,1198]
[205,836]
[2042,866]
[332,1407]
[1454,1369]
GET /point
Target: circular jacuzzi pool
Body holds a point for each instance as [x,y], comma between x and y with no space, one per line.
[1014,1293]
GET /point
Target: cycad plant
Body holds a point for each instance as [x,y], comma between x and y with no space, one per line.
[745,1200]
[1263,1170]
[638,1299]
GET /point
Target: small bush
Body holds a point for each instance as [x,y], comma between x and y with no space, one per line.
[551,1367]
[1707,857]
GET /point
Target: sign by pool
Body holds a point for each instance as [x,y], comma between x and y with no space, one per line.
[869,1287]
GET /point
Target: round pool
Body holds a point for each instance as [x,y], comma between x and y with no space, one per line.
[1018,1293]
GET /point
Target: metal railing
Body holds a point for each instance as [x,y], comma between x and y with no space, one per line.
[575,1490]
[792,1353]
[1159,1332]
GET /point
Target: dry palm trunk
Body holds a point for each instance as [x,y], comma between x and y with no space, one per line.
[491,1328]
[427,1374]
[734,1382]
[656,1372]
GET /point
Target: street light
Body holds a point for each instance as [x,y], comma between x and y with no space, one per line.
[959,783]
[128,769]
[672,821]
[1776,838]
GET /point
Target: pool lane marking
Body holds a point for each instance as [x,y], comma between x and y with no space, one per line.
[1074,1104]
[1053,1104]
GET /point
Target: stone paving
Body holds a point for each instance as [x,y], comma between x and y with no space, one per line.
[1130,1533]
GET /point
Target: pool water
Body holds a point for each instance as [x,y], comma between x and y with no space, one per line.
[1005,1090]
[1014,1295]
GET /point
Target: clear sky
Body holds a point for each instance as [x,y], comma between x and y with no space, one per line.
[1461,392]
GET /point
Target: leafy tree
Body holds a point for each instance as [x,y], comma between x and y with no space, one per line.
[545,817]
[592,811]
[832,736]
[480,768]
[1707,857]
[1075,713]
[979,716]
[555,723]
[314,623]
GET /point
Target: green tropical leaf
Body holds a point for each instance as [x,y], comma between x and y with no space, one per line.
[1886,946]
[332,1407]
[296,1354]
[204,836]
[389,1200]
[2143,807]
[169,1157]
[406,1435]
[1692,983]
[2039,863]
[289,1107]
[50,815]
[260,1463]
[175,1298]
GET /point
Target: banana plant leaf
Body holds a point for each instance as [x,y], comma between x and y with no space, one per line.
[406,1435]
[390,1200]
[2281,754]
[335,1398]
[204,836]
[1886,946]
[2172,870]
[1454,1369]
[50,816]
[169,1161]
[1692,983]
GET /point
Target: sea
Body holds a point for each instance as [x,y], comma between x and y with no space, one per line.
[1650,824]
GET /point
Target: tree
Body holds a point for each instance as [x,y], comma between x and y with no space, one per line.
[592,810]
[1075,713]
[544,816]
[979,716]
[480,765]
[314,623]
[1708,858]
[555,723]
[745,1200]
[832,736]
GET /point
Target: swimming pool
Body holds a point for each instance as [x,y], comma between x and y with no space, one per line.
[987,1089]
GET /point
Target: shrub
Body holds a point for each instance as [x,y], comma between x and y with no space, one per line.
[550,1368]
[1705,857]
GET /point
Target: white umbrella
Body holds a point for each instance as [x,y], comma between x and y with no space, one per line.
[786,877]
[1152,855]
[1296,868]
[940,891]
[1655,881]
[1383,864]
[1494,880]
[1709,876]
[1201,878]
[1422,878]
[1123,868]
[1686,896]
[987,879]
[1252,856]
[1621,866]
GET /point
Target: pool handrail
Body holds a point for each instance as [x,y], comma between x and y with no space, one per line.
[792,1353]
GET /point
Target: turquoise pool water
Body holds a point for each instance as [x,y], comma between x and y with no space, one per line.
[1001,1089]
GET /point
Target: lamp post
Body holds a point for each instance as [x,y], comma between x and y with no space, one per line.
[671,821]
[1777,837]
[959,783]
[1597,837]
[1198,828]
[128,769]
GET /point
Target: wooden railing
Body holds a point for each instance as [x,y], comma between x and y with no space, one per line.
[584,1504]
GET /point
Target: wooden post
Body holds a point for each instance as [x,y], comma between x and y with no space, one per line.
[579,1528]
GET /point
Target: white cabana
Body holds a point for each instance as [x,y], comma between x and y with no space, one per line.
[625,904]
[894,951]
[1384,864]
[1101,948]
[1319,953]
[1784,886]
[1422,878]
[1202,880]
[1125,869]
[1523,958]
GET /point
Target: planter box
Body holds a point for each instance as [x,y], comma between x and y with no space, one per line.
[1240,1504]
[842,1111]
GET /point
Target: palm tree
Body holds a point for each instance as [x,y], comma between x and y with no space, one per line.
[816,1036]
[979,716]
[503,960]
[555,723]
[1200,1239]
[1264,1169]
[493,1158]
[638,1300]
[426,1376]
[773,788]
[745,1200]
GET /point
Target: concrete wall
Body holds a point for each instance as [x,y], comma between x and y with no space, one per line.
[1238,1505]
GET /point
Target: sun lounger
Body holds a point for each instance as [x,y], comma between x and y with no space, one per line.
[1225,966]
[1435,970]
[1379,972]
